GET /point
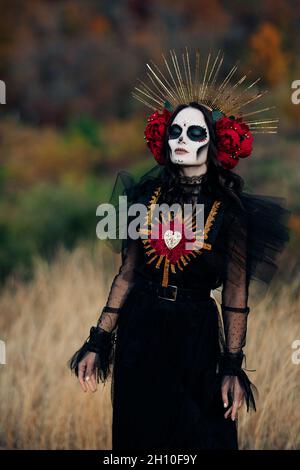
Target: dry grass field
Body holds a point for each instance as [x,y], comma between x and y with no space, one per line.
[44,321]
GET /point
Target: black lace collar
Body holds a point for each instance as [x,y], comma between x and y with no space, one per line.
[191,180]
[191,184]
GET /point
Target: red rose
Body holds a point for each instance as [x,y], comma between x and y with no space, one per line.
[241,127]
[246,146]
[234,140]
[155,132]
[224,123]
[227,160]
[228,140]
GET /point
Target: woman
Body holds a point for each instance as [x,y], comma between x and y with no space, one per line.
[178,380]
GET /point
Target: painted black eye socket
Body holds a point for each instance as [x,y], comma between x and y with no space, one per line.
[197,133]
[175,131]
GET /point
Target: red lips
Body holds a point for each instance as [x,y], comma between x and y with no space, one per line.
[180,150]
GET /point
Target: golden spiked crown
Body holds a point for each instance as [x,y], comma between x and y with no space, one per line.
[182,84]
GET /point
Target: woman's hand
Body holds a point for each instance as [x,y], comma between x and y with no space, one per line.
[86,373]
[231,384]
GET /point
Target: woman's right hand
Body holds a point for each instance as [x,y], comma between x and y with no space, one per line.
[86,373]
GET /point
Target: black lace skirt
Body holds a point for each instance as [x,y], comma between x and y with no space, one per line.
[166,390]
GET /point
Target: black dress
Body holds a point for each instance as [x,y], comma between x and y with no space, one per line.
[161,333]
[166,380]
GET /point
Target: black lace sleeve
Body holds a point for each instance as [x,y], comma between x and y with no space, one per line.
[255,237]
[103,336]
[235,307]
[135,191]
[120,287]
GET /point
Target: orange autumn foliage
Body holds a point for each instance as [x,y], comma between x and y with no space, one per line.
[294,223]
[266,54]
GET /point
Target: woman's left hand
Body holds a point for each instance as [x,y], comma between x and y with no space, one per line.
[230,383]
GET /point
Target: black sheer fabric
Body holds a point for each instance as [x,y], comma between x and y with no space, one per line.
[120,287]
[129,249]
[255,238]
[235,286]
[235,309]
[171,356]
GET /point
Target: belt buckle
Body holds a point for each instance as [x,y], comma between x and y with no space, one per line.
[173,298]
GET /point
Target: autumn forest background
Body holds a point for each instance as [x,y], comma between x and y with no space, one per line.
[68,125]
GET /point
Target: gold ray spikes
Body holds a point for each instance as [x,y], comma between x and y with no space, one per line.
[181,82]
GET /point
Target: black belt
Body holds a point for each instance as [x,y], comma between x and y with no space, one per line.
[172,292]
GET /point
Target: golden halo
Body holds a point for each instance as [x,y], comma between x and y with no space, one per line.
[177,85]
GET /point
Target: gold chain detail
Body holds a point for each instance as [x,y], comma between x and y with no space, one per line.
[211,217]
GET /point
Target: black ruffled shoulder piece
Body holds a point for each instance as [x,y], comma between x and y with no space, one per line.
[137,190]
[268,232]
[255,235]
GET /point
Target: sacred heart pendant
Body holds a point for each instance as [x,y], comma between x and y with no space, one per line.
[172,238]
[190,241]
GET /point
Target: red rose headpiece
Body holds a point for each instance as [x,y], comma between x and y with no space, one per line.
[234,139]
[227,101]
[155,133]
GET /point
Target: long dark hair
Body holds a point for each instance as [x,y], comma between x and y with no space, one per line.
[217,182]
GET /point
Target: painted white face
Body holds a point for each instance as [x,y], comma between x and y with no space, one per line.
[189,132]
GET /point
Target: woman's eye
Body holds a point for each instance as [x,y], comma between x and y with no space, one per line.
[175,131]
[197,133]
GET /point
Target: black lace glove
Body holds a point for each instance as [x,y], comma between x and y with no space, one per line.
[102,343]
[231,365]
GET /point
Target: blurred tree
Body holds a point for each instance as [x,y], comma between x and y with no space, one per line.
[8,25]
[285,14]
[201,14]
[267,55]
[67,57]
[87,127]
[29,155]
[141,9]
[43,217]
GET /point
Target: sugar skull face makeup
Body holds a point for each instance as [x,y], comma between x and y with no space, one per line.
[188,137]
